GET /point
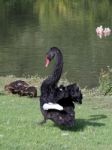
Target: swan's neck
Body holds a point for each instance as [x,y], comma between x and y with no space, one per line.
[53,79]
[56,74]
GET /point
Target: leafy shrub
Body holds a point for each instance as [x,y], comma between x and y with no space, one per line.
[105,81]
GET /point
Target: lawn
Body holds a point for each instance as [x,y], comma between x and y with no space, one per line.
[19,128]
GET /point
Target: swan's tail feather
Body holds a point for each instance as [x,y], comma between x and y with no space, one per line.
[64,118]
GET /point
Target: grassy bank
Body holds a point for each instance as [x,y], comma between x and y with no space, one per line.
[19,128]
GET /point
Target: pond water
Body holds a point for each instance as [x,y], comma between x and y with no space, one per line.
[29,28]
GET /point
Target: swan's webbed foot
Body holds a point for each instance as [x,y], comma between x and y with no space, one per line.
[43,121]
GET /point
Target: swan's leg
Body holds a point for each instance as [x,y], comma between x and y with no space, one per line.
[43,121]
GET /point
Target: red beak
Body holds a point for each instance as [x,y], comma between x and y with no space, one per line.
[47,61]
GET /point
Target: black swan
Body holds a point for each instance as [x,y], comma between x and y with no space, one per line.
[57,103]
[21,88]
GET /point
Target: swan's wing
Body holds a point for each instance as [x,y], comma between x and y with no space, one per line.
[75,93]
[70,91]
[48,106]
[60,93]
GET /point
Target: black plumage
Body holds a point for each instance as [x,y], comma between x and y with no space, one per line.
[65,96]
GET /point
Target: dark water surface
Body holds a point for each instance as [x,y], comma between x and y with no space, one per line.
[29,28]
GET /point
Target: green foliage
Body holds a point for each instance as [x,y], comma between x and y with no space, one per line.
[105,81]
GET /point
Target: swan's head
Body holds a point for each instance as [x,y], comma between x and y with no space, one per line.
[48,59]
[50,55]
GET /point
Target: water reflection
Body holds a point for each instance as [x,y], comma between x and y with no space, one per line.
[29,28]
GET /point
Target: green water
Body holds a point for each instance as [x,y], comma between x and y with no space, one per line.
[29,28]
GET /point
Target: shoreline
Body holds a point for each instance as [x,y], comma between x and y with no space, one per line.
[36,81]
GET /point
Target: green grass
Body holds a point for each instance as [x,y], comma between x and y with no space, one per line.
[19,117]
[19,128]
